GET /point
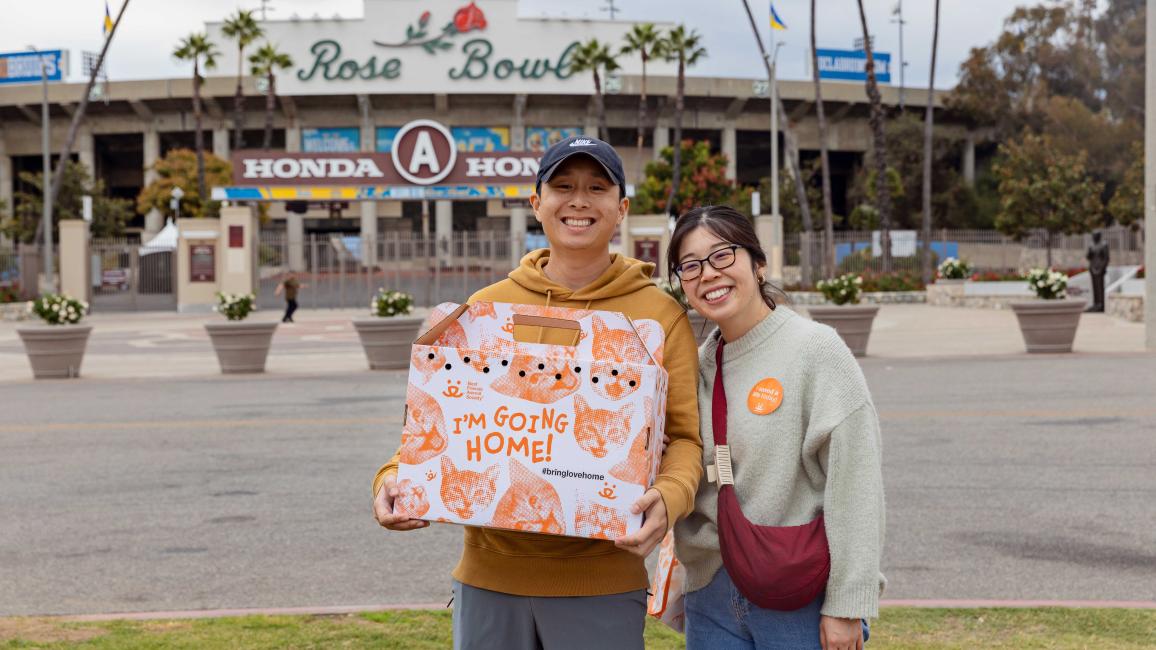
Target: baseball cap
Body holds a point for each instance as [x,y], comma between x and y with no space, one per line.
[582,144]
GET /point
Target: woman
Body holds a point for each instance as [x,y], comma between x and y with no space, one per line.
[800,448]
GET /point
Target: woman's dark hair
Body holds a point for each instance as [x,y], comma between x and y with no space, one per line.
[729,225]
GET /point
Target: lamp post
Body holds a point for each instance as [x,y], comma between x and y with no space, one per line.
[175,202]
[46,180]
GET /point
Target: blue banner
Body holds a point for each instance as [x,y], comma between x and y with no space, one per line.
[24,67]
[342,140]
[539,139]
[851,65]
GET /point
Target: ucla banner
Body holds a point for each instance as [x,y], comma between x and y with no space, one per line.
[24,67]
[851,65]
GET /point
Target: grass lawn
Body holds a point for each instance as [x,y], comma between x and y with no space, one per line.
[898,629]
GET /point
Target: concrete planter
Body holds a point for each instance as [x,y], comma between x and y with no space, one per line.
[1049,325]
[700,325]
[387,341]
[241,347]
[852,322]
[55,351]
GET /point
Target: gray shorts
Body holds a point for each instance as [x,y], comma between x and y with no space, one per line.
[486,619]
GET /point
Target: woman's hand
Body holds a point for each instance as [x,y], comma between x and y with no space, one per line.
[840,633]
[653,529]
[383,508]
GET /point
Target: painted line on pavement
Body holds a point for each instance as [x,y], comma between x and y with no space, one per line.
[357,609]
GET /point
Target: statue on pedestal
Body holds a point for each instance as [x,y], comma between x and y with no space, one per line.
[1097,266]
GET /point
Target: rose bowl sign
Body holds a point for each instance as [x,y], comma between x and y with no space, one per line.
[424,154]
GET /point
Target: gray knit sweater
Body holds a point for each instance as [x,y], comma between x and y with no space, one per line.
[820,451]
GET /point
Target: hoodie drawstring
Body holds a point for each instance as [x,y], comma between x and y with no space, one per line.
[577,334]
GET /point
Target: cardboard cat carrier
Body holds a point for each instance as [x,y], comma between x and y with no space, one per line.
[505,432]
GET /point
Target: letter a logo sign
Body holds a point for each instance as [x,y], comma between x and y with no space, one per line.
[424,152]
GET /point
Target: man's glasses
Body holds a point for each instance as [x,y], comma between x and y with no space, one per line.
[720,259]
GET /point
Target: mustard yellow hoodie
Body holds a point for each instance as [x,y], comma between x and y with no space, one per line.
[529,564]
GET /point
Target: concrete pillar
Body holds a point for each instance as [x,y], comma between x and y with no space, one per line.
[221,142]
[769,228]
[368,233]
[518,218]
[730,149]
[154,220]
[368,133]
[518,125]
[74,258]
[443,229]
[661,137]
[295,226]
[86,151]
[292,138]
[969,160]
[237,240]
[5,176]
[1150,184]
[200,238]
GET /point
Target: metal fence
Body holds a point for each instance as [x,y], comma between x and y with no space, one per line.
[129,277]
[346,271]
[984,250]
[20,269]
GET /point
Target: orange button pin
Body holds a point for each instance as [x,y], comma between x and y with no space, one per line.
[765,397]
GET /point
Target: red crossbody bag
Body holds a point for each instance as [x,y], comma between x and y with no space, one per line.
[776,567]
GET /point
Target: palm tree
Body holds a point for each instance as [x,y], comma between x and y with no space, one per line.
[685,48]
[882,187]
[243,28]
[593,56]
[266,61]
[828,216]
[647,42]
[928,122]
[197,47]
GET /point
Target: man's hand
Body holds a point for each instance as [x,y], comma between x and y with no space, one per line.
[383,508]
[840,633]
[653,528]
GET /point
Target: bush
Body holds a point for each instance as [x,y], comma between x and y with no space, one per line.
[996,276]
[1048,284]
[953,269]
[235,306]
[898,281]
[58,309]
[9,294]
[842,290]
[391,303]
[862,260]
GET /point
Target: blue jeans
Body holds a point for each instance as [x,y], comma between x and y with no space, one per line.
[718,617]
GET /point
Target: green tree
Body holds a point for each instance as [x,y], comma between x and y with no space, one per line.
[1122,31]
[1041,187]
[685,48]
[265,62]
[1127,204]
[179,169]
[646,41]
[242,27]
[109,215]
[595,57]
[789,202]
[198,48]
[706,182]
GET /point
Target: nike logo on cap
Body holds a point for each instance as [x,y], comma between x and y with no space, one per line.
[582,143]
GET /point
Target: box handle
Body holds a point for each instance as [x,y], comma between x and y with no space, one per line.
[546,321]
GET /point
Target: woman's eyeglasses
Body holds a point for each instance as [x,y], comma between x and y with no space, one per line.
[720,259]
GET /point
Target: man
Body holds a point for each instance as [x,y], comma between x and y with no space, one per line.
[518,590]
[290,286]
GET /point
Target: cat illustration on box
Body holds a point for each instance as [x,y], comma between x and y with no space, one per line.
[423,436]
[540,380]
[635,468]
[465,492]
[411,499]
[597,521]
[598,431]
[530,504]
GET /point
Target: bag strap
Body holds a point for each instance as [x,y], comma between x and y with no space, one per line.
[718,419]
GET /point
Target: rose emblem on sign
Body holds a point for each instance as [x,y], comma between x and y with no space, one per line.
[466,19]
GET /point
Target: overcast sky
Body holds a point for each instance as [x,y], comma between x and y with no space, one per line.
[151,28]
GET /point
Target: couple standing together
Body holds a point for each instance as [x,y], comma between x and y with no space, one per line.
[802,469]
